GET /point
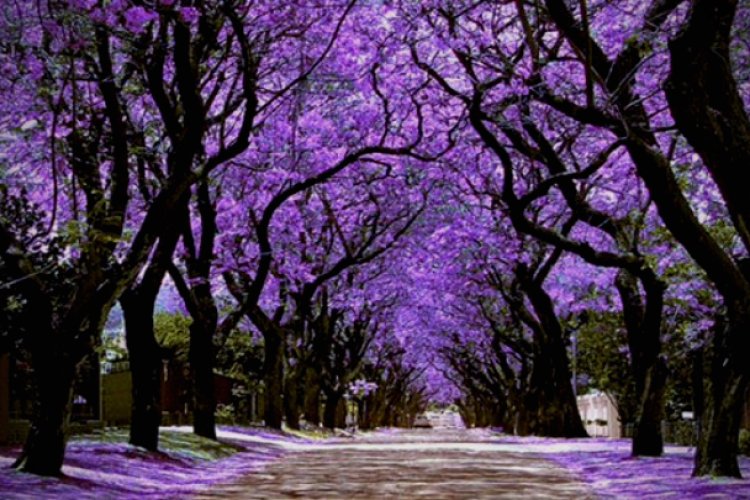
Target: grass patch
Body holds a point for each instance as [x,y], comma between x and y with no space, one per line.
[178,444]
[197,447]
[317,434]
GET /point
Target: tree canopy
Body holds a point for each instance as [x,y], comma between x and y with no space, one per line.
[399,202]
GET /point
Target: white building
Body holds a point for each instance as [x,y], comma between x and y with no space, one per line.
[599,415]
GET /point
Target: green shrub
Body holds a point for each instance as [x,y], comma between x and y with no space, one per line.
[744,448]
[682,433]
[225,414]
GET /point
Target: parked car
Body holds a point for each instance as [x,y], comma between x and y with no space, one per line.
[423,422]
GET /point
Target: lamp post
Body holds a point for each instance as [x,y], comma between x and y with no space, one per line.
[574,342]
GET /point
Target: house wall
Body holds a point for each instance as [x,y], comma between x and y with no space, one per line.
[176,389]
[117,395]
[117,398]
[599,415]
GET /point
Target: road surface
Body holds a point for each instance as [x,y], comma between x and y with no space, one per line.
[419,463]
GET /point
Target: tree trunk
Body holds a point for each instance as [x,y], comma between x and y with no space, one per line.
[312,397]
[374,409]
[557,411]
[364,415]
[145,366]
[202,331]
[363,418]
[643,326]
[465,413]
[274,379]
[716,453]
[480,410]
[522,424]
[527,411]
[706,104]
[725,383]
[341,411]
[330,409]
[138,303]
[292,399]
[647,436]
[44,449]
[708,109]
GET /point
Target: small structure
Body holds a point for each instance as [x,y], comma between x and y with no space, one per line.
[176,392]
[117,397]
[17,398]
[599,415]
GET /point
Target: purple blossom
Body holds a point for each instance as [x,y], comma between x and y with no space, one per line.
[189,14]
[137,19]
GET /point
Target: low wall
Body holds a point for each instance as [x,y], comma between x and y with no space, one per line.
[117,398]
[17,430]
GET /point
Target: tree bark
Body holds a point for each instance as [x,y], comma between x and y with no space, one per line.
[273,378]
[557,412]
[647,436]
[145,366]
[292,399]
[44,449]
[138,303]
[202,356]
[341,411]
[724,387]
[312,397]
[643,327]
[703,99]
[330,409]
[705,102]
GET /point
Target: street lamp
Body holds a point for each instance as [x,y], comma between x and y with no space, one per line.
[574,342]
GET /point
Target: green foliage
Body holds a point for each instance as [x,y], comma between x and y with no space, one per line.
[113,345]
[744,445]
[176,443]
[226,414]
[602,360]
[26,223]
[679,391]
[172,331]
[241,357]
[603,363]
[717,220]
[313,433]
[681,432]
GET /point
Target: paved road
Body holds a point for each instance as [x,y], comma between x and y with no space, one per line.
[436,464]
